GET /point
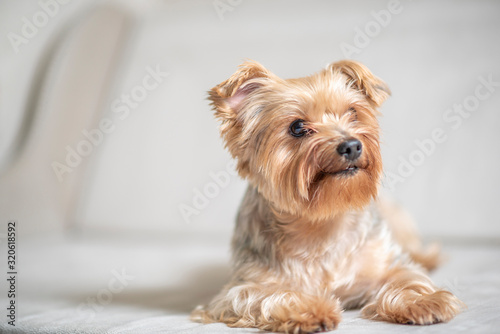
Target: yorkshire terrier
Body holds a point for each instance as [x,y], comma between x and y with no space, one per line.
[311,236]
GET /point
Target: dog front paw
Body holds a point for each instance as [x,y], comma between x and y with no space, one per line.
[273,309]
[416,309]
[309,322]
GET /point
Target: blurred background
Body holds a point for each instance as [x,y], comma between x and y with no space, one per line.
[112,166]
[105,126]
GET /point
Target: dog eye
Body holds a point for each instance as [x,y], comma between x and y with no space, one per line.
[353,114]
[297,128]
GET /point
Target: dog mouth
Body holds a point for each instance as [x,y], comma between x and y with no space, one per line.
[348,171]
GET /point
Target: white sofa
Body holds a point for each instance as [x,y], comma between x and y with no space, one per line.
[103,244]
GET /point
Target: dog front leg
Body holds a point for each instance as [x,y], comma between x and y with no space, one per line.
[408,296]
[271,308]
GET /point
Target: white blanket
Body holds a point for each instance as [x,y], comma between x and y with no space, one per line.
[149,284]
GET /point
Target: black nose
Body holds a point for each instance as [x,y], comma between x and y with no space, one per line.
[350,149]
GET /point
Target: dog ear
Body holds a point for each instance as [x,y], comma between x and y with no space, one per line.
[228,97]
[364,80]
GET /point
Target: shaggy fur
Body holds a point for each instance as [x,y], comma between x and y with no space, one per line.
[311,237]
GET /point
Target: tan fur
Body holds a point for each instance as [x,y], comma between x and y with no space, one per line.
[405,233]
[310,239]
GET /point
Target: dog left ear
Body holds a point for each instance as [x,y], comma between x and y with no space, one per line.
[364,80]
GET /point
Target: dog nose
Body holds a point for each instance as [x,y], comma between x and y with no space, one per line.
[350,149]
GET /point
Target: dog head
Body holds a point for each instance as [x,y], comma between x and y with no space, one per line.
[309,145]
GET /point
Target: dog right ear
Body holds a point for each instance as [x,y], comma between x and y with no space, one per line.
[229,97]
[232,102]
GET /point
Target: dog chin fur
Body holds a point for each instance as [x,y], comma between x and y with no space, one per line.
[311,237]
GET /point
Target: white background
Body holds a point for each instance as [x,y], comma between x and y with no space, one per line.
[431,55]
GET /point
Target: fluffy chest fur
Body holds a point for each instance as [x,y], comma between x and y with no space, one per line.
[340,256]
